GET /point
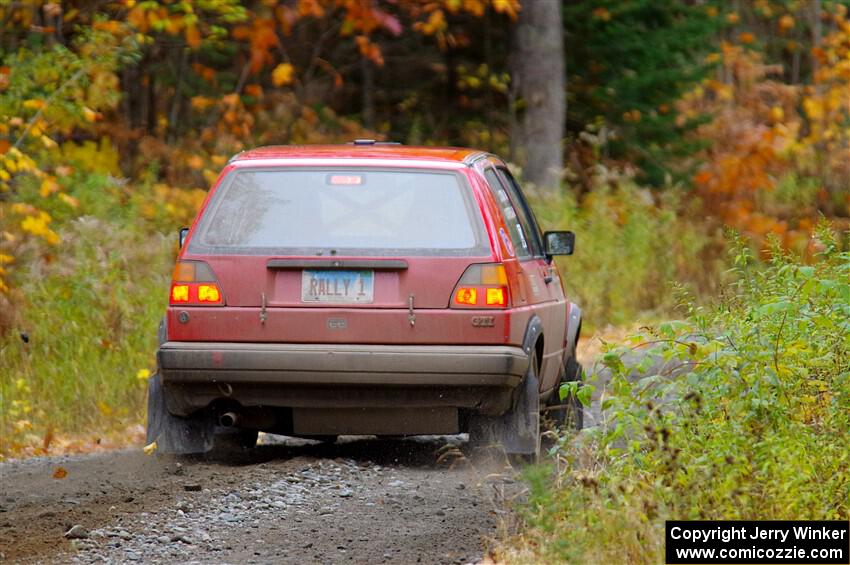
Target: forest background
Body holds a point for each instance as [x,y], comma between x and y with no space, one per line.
[648,127]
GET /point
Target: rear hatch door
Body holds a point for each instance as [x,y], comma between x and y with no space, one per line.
[348,240]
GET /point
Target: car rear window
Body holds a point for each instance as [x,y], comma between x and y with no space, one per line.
[345,212]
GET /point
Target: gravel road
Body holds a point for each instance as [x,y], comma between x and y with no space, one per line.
[362,500]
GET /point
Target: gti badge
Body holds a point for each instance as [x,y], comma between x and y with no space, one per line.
[483,321]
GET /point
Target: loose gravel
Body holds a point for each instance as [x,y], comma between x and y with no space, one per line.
[360,501]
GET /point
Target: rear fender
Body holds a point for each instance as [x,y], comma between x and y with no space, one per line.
[532,332]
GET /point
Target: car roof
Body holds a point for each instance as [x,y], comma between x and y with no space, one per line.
[360,151]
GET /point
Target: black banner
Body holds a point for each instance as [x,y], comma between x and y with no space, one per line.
[761,542]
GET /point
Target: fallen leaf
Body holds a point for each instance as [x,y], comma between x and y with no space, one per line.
[48,439]
[104,408]
[149,448]
[60,473]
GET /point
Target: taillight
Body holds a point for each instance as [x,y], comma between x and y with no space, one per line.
[468,296]
[497,297]
[482,286]
[193,283]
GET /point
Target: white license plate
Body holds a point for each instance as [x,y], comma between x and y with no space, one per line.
[338,286]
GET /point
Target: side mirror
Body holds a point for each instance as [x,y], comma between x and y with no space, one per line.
[559,243]
[183,233]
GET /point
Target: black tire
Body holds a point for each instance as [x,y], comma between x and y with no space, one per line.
[518,430]
[569,412]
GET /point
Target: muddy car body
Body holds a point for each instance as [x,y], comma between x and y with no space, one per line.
[363,289]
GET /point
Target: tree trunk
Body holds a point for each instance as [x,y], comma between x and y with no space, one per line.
[817,33]
[539,70]
[368,93]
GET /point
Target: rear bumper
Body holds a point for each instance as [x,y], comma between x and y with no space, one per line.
[481,378]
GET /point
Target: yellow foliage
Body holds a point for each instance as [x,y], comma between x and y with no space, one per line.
[764,130]
[196,162]
[89,114]
[48,186]
[202,102]
[34,104]
[210,176]
[69,200]
[786,23]
[509,7]
[193,37]
[814,108]
[179,204]
[38,226]
[283,74]
[23,209]
[98,157]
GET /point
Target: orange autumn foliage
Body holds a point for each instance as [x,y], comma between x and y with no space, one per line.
[765,134]
[746,147]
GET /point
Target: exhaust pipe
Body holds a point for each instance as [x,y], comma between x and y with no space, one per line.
[228,419]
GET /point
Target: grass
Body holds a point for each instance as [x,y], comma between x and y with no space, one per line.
[90,319]
[754,427]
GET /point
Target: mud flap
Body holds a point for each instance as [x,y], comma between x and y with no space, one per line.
[175,435]
[519,429]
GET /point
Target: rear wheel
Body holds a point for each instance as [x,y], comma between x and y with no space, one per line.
[518,430]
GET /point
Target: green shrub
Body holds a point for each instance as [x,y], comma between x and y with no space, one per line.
[754,425]
[628,247]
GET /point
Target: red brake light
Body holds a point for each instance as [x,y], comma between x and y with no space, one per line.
[193,282]
[179,293]
[483,285]
[465,295]
[209,293]
[496,297]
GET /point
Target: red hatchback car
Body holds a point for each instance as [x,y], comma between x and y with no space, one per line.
[368,288]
